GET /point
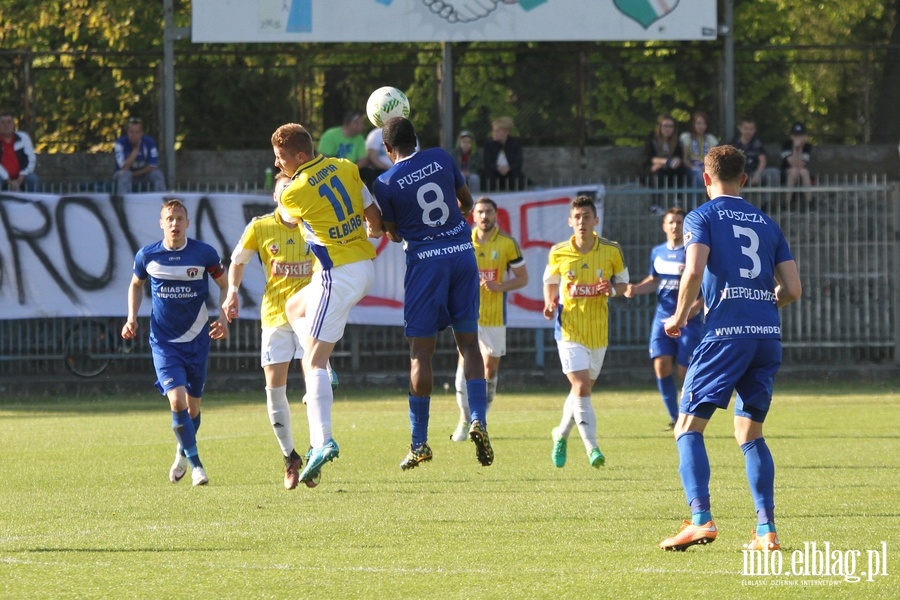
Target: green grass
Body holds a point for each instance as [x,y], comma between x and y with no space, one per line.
[86,510]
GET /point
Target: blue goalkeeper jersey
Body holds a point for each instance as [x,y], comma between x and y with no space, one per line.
[739,281]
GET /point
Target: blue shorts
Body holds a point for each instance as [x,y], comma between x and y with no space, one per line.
[440,293]
[721,367]
[682,348]
[182,364]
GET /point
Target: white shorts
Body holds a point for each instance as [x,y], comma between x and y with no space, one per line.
[492,341]
[332,293]
[575,357]
[279,345]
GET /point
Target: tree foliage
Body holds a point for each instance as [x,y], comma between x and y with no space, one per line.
[75,71]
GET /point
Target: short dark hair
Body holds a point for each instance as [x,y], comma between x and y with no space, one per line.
[725,163]
[486,200]
[399,134]
[582,201]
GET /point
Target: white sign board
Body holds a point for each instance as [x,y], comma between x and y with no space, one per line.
[64,256]
[451,20]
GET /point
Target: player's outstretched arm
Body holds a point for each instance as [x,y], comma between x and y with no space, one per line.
[374,225]
[390,230]
[516,282]
[135,295]
[696,257]
[647,285]
[551,300]
[789,288]
[232,305]
[219,328]
[464,199]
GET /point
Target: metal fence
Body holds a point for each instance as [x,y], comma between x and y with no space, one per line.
[845,241]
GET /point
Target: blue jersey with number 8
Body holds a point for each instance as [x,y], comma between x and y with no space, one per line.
[739,280]
[419,195]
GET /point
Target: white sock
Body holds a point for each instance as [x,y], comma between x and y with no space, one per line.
[280,417]
[462,394]
[568,419]
[491,391]
[586,421]
[319,398]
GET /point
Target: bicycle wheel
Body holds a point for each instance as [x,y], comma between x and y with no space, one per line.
[87,349]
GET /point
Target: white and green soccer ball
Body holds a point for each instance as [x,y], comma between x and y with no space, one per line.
[386,103]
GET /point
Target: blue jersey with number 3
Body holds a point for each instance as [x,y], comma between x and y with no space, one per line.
[419,195]
[739,282]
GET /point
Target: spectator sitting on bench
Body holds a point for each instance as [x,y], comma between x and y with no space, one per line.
[17,159]
[137,161]
[795,154]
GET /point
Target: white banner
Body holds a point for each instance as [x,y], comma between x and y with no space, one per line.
[64,256]
[451,20]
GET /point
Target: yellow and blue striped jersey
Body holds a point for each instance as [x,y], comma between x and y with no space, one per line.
[583,313]
[495,257]
[286,260]
[326,194]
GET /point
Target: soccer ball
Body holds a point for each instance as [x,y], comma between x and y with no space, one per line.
[386,103]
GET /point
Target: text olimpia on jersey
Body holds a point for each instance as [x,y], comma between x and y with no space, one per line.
[179,287]
[326,195]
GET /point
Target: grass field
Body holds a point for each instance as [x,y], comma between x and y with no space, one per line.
[86,510]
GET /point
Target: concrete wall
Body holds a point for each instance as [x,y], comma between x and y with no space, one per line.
[543,165]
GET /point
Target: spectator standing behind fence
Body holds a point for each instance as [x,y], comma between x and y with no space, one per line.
[179,269]
[469,159]
[696,143]
[504,158]
[137,161]
[795,154]
[346,141]
[17,159]
[663,163]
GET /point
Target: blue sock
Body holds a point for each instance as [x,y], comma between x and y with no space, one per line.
[764,528]
[693,466]
[761,477]
[196,422]
[477,391]
[185,433]
[418,419]
[669,394]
